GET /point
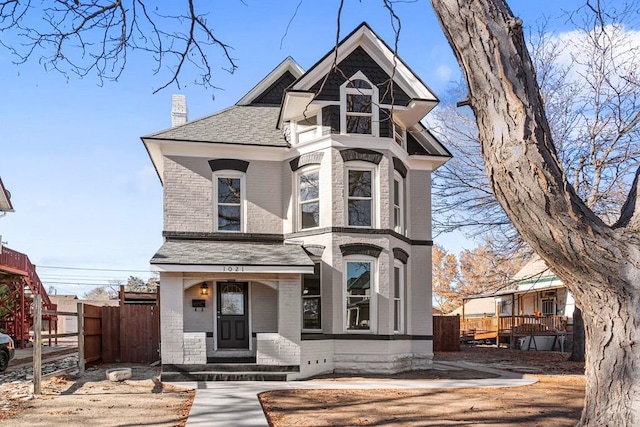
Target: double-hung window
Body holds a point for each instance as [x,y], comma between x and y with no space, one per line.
[359,105]
[359,290]
[312,300]
[398,297]
[229,201]
[400,135]
[309,199]
[398,204]
[360,197]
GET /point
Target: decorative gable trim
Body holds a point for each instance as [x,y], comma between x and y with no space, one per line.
[228,164]
[305,160]
[399,166]
[421,98]
[360,249]
[401,255]
[362,154]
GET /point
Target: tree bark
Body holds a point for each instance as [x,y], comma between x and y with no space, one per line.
[577,346]
[598,263]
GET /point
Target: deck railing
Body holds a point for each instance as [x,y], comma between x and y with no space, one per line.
[20,261]
[520,324]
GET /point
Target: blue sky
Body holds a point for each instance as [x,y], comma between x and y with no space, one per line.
[84,191]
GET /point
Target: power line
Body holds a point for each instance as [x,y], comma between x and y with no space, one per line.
[93,269]
[78,283]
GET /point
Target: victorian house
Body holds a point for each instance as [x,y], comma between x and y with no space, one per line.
[297,222]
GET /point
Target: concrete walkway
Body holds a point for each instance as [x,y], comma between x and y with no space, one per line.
[236,403]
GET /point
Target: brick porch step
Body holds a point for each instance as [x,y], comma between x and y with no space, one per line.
[227,372]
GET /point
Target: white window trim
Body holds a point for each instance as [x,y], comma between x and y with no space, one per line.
[401,204]
[298,216]
[243,199]
[401,298]
[317,130]
[362,166]
[375,109]
[315,331]
[373,289]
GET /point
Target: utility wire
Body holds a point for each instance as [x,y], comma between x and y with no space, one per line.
[92,269]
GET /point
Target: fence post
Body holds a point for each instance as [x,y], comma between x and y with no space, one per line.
[80,338]
[37,346]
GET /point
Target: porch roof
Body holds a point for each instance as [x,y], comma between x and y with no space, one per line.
[231,257]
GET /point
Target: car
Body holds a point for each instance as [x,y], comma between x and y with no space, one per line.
[7,351]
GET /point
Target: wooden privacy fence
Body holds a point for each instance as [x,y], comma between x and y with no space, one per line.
[38,337]
[130,334]
[446,333]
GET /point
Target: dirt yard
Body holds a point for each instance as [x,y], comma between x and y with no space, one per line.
[92,400]
[556,400]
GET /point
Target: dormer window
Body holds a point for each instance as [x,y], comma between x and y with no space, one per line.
[359,106]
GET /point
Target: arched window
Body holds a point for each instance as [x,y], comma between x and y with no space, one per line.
[359,106]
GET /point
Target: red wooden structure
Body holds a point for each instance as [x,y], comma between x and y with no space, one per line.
[19,276]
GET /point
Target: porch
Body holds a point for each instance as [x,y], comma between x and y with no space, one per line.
[517,331]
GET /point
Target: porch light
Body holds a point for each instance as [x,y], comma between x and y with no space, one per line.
[204,289]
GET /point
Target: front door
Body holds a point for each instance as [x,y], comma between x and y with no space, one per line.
[233,317]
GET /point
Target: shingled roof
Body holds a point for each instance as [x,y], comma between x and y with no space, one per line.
[240,124]
[206,252]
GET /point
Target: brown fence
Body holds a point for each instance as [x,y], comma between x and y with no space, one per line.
[130,334]
[446,333]
[92,325]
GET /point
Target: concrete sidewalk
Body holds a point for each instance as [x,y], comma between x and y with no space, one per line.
[236,403]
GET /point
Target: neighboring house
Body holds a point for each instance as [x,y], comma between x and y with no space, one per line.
[537,297]
[5,200]
[69,304]
[19,281]
[297,223]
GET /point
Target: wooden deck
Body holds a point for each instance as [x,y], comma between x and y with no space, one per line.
[511,328]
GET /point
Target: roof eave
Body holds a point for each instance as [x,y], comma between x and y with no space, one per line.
[5,199]
[294,104]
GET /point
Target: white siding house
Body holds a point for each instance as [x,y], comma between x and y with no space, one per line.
[297,223]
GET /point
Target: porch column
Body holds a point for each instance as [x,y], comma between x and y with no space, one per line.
[290,308]
[283,347]
[171,318]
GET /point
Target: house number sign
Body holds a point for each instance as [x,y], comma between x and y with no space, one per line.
[233,268]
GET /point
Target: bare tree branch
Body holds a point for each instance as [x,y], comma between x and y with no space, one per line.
[95,37]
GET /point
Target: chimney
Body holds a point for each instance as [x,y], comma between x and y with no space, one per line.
[178,110]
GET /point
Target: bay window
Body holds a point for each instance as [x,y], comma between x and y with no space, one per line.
[398,296]
[360,197]
[359,289]
[312,300]
[309,199]
[398,204]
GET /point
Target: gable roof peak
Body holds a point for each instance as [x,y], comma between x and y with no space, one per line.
[288,65]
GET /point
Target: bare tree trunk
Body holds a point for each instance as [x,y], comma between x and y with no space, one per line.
[577,346]
[600,264]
